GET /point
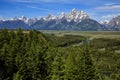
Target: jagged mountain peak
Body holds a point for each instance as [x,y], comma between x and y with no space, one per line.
[115,20]
[115,23]
[74,10]
[50,17]
[76,15]
[15,18]
[23,18]
[62,15]
[73,20]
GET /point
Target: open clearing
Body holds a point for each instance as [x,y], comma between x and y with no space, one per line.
[91,34]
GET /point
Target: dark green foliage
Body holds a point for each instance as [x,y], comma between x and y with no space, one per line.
[22,55]
[105,57]
[108,44]
[79,65]
[31,55]
[63,41]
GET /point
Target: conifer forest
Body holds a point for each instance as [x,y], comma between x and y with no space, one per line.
[34,55]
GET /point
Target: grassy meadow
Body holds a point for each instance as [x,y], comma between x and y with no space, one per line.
[91,34]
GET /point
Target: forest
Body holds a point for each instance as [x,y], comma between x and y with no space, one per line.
[33,55]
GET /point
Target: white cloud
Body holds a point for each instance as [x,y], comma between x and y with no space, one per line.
[109,16]
[109,7]
[109,4]
[43,9]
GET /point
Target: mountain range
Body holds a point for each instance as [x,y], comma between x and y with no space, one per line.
[74,20]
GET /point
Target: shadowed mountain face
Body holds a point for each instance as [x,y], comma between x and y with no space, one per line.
[74,20]
[13,24]
[114,24]
[63,24]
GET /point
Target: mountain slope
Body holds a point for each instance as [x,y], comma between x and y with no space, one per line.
[13,24]
[89,24]
[114,24]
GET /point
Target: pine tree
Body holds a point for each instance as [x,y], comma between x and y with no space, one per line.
[89,71]
[79,66]
[4,37]
[117,75]
[74,65]
[32,65]
[57,66]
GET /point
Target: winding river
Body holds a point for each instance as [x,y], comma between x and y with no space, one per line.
[80,43]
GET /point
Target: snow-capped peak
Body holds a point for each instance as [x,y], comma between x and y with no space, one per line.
[76,15]
[50,17]
[74,10]
[31,21]
[62,15]
[23,18]
[15,18]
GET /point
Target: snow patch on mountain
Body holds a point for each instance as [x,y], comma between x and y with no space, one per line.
[104,22]
[77,16]
[50,17]
[74,15]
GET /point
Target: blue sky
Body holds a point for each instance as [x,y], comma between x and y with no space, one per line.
[97,9]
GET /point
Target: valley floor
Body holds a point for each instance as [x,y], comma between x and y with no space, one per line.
[91,34]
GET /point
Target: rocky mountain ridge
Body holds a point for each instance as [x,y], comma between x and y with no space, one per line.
[74,20]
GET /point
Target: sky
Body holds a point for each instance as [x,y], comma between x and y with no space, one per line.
[96,9]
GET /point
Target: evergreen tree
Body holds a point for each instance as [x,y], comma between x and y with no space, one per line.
[33,65]
[4,37]
[89,72]
[57,66]
[71,67]
[117,75]
[79,66]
